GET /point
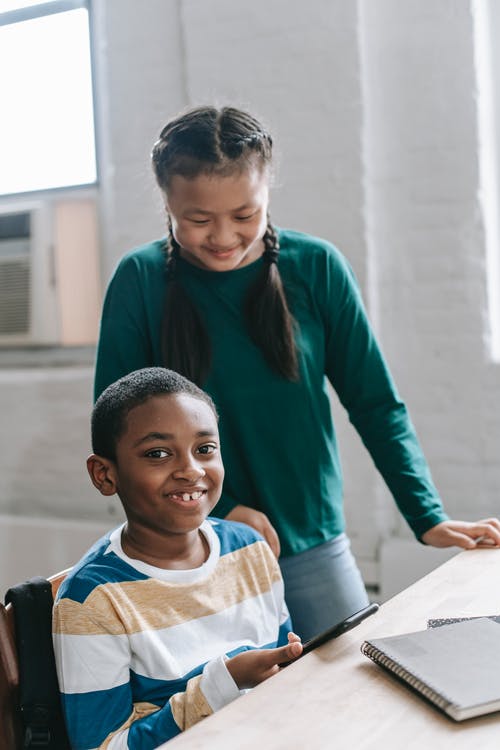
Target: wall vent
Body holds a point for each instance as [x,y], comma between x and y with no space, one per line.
[15,274]
[27,282]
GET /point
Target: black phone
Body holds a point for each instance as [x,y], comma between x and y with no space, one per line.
[336,630]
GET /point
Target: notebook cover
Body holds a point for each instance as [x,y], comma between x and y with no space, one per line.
[440,621]
[456,666]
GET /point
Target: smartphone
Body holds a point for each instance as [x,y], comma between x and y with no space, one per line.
[336,630]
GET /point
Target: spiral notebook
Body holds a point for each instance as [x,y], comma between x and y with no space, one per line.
[456,667]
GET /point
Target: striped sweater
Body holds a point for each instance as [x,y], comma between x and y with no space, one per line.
[140,651]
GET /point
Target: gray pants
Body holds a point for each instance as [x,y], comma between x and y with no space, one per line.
[323,586]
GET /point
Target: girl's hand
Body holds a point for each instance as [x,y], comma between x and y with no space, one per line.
[258,521]
[252,667]
[485,533]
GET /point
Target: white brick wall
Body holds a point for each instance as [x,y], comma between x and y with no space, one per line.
[374,110]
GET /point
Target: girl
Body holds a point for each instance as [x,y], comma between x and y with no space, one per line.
[262,318]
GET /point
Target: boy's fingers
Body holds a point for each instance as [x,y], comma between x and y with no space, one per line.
[291,651]
[296,648]
[282,654]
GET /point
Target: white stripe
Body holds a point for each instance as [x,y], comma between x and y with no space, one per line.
[101,662]
[217,685]
[119,741]
[91,662]
[197,641]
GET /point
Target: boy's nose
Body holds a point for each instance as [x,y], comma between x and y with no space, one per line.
[190,470]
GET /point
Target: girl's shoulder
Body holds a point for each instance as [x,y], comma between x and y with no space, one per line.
[309,252]
[150,255]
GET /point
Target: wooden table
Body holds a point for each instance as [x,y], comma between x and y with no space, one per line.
[336,698]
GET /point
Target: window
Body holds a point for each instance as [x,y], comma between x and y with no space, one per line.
[47,125]
[487,23]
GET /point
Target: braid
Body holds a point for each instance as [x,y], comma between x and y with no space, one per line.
[221,142]
[271,244]
[269,320]
[185,343]
[173,251]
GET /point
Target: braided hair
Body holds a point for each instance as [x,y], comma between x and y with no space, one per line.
[205,140]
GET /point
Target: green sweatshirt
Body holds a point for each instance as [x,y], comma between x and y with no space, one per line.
[278,439]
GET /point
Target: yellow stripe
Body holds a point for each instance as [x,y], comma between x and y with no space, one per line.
[190,707]
[253,570]
[140,711]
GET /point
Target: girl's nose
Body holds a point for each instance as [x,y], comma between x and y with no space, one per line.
[222,236]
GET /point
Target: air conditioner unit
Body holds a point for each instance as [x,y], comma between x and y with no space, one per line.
[28,300]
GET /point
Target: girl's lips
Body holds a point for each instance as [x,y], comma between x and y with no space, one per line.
[222,253]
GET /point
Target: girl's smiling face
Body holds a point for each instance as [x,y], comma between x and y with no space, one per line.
[219,221]
[168,468]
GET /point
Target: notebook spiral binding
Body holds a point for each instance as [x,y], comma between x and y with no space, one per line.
[413,680]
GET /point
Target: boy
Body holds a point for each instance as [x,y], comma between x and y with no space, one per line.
[165,618]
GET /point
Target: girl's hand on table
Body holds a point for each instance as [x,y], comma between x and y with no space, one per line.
[465,534]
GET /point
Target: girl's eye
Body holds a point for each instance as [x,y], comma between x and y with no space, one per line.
[245,218]
[199,221]
[206,450]
[157,453]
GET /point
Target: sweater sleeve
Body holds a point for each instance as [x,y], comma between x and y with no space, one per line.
[94,667]
[125,338]
[358,372]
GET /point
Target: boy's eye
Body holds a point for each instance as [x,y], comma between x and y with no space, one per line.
[207,449]
[157,453]
[199,221]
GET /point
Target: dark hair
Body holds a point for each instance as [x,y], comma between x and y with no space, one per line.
[109,416]
[206,140]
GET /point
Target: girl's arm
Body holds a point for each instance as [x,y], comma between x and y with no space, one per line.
[130,321]
[360,375]
[357,369]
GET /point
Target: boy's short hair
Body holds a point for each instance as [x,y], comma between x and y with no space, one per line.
[109,416]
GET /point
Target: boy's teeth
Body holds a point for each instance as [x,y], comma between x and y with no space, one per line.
[193,496]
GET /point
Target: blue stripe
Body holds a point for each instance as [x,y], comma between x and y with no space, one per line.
[271,644]
[153,730]
[99,568]
[90,717]
[233,535]
[159,691]
[93,715]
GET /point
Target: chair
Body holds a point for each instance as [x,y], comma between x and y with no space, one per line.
[10,727]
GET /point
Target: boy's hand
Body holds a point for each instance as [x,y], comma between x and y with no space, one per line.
[485,533]
[252,667]
[258,521]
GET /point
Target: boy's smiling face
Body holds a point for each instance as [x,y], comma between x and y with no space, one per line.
[168,470]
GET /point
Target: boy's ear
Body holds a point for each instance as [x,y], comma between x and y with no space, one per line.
[102,472]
